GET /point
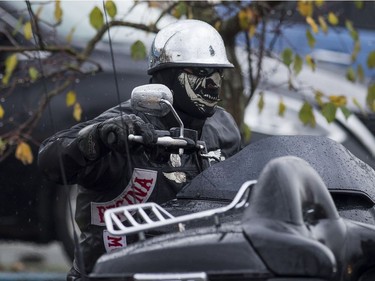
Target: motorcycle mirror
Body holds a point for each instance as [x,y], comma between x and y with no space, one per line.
[152,99]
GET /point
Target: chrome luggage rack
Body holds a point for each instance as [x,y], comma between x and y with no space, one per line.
[138,217]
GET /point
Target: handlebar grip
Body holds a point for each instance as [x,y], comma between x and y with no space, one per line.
[112,137]
[164,141]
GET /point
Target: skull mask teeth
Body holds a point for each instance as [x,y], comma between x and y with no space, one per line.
[203,91]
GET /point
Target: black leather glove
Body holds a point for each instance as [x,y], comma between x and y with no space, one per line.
[113,134]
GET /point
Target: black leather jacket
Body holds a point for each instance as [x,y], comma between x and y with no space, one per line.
[110,182]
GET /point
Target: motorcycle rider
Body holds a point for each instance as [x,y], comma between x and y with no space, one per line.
[188,57]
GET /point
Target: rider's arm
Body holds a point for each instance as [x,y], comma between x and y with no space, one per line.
[60,159]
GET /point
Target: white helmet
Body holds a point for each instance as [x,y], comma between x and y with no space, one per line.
[191,43]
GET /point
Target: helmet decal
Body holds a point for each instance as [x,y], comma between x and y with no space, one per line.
[212,51]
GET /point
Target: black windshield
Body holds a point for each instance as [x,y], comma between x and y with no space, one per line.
[339,168]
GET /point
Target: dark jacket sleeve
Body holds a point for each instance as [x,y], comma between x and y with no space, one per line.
[61,161]
[221,132]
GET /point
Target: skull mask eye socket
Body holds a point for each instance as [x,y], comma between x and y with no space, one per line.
[203,72]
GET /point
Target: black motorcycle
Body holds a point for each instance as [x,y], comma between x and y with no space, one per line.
[284,208]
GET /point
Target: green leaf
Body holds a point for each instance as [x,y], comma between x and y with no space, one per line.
[297,65]
[138,50]
[329,111]
[246,132]
[111,8]
[310,38]
[356,50]
[3,145]
[33,73]
[18,26]
[287,56]
[96,18]
[357,104]
[358,4]
[180,10]
[345,111]
[353,33]
[306,115]
[69,37]
[371,60]
[370,99]
[318,97]
[261,102]
[360,73]
[350,74]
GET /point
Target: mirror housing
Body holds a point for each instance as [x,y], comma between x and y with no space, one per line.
[152,99]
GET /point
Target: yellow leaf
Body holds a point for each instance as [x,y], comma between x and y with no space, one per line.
[338,101]
[319,3]
[10,66]
[313,25]
[23,153]
[358,4]
[282,108]
[71,98]
[39,11]
[217,25]
[332,18]
[310,61]
[33,73]
[305,8]
[318,97]
[323,24]
[77,113]
[58,11]
[242,17]
[1,112]
[3,146]
[252,30]
[27,30]
[69,37]
[247,17]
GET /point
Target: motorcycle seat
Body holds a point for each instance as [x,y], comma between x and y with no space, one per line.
[291,218]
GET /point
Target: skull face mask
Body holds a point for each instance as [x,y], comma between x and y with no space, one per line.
[197,91]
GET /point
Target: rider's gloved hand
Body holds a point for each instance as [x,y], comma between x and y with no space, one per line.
[95,140]
[114,131]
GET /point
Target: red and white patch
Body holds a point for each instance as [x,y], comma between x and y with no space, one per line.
[113,242]
[137,191]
